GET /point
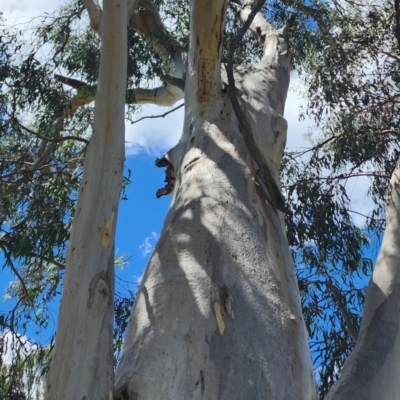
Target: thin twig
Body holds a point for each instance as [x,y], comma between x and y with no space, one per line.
[11,265]
[159,116]
[366,216]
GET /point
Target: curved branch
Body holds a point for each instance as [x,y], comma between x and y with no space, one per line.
[14,270]
[57,140]
[146,21]
[158,116]
[69,111]
[95,15]
[264,171]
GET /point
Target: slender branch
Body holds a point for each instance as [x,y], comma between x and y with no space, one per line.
[25,173]
[344,176]
[337,296]
[4,244]
[13,269]
[264,171]
[389,131]
[95,15]
[56,140]
[317,146]
[159,116]
[367,216]
[75,83]
[69,111]
[386,53]
[49,260]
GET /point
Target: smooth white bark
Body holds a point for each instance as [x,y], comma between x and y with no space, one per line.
[373,369]
[218,311]
[82,363]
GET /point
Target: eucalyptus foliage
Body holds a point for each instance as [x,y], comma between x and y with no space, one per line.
[346,53]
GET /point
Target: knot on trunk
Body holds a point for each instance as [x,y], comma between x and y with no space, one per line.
[169,176]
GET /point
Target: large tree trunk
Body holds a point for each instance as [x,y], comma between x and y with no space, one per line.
[218,314]
[372,370]
[82,364]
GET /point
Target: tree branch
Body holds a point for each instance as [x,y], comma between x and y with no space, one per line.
[146,21]
[337,296]
[158,116]
[4,244]
[95,15]
[161,96]
[47,139]
[264,171]
[13,269]
[74,83]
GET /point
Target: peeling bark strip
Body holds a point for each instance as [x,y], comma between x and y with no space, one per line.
[219,318]
[204,80]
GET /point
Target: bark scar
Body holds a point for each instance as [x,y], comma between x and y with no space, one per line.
[204,80]
[97,282]
[190,165]
[219,318]
[107,234]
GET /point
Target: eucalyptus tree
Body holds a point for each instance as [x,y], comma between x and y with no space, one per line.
[353,87]
[218,312]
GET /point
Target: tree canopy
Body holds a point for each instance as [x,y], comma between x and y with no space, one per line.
[347,56]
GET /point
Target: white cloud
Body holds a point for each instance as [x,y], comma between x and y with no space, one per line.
[360,203]
[297,130]
[148,244]
[154,136]
[16,12]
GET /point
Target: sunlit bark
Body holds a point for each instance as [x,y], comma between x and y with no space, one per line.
[82,362]
[372,371]
[218,312]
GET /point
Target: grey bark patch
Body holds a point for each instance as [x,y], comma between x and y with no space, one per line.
[92,287]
